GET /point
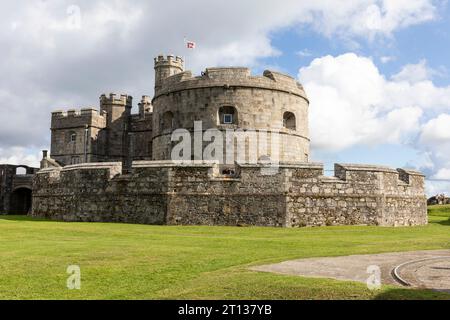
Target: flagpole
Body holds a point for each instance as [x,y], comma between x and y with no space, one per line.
[189,45]
[186,53]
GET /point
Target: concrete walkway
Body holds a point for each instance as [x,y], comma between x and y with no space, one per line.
[424,269]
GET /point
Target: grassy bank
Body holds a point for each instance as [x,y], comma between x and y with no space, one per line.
[121,261]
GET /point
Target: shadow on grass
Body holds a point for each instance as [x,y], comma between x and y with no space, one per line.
[412,294]
[22,218]
[444,222]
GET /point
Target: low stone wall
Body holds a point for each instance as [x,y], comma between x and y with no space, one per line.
[198,193]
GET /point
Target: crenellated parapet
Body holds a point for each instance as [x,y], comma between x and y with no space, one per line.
[73,118]
[116,99]
[166,66]
[145,106]
[202,193]
[231,77]
[169,60]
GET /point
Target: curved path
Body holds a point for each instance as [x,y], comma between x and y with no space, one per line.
[425,269]
[425,273]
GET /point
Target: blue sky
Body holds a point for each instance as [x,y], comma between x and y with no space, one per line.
[377,72]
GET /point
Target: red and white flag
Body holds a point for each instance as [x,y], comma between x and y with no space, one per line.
[190,44]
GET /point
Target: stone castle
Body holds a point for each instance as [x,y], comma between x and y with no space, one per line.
[221,98]
[112,165]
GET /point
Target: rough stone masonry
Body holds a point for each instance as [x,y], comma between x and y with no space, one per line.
[114,166]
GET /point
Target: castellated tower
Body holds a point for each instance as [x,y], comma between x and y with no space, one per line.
[166,67]
[117,109]
[75,136]
[272,106]
[145,106]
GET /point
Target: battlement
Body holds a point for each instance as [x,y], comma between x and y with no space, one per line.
[116,99]
[145,106]
[227,72]
[386,176]
[85,112]
[229,77]
[172,60]
[78,118]
[197,192]
[146,99]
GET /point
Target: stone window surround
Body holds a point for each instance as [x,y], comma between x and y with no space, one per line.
[227,110]
[289,120]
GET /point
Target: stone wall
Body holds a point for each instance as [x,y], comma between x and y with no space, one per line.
[358,194]
[198,193]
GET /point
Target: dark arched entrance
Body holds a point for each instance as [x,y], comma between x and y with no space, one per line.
[20,201]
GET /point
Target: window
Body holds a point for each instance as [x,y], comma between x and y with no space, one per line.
[73,137]
[227,115]
[289,121]
[228,118]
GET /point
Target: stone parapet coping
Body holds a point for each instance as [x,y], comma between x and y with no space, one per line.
[365,167]
[293,165]
[231,77]
[411,172]
[117,166]
[93,165]
[326,179]
[200,163]
[50,169]
[173,163]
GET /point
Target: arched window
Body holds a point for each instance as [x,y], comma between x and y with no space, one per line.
[228,115]
[289,121]
[167,121]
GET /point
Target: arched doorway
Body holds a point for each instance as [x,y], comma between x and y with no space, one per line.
[20,201]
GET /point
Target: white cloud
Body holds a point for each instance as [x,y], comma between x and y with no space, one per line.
[348,104]
[353,103]
[442,174]
[370,18]
[437,187]
[387,59]
[413,73]
[304,53]
[435,139]
[437,131]
[19,156]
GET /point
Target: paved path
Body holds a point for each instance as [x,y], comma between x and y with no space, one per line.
[425,269]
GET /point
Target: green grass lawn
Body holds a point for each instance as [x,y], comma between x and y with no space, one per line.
[120,261]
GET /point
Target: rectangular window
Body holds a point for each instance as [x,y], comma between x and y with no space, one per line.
[228,118]
[73,137]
